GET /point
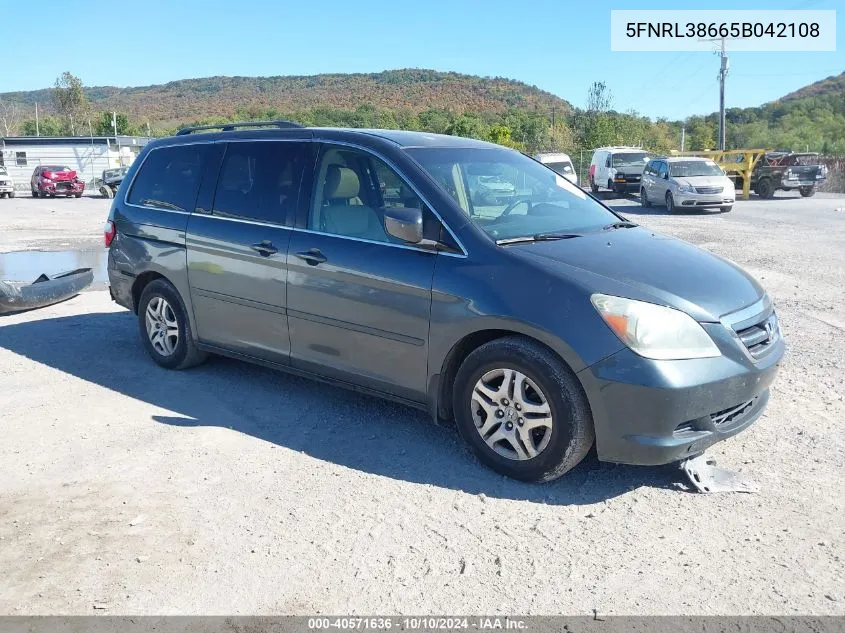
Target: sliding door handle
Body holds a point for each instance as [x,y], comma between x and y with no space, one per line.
[265,248]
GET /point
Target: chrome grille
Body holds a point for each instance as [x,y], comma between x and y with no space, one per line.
[709,189]
[759,337]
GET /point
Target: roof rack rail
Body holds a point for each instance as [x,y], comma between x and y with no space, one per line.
[228,127]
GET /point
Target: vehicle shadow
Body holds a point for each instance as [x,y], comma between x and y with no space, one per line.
[326,422]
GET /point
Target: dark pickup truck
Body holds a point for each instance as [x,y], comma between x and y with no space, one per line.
[787,170]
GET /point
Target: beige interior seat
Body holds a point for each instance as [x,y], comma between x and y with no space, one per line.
[343,213]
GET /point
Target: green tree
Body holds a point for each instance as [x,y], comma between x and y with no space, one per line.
[69,98]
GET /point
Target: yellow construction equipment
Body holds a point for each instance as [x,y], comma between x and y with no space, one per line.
[739,161]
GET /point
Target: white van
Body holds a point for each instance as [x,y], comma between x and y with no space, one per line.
[619,169]
[560,163]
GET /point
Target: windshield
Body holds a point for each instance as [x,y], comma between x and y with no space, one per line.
[56,168]
[509,195]
[629,159]
[561,168]
[688,168]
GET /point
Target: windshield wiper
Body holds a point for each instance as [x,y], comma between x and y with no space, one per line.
[619,225]
[538,237]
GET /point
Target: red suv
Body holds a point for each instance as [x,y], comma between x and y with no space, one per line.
[56,180]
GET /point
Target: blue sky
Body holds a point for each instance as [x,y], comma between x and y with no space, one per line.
[560,46]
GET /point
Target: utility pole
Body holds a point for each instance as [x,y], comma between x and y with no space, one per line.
[724,64]
[683,136]
[37,131]
[114,122]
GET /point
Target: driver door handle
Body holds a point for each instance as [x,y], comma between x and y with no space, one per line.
[312,256]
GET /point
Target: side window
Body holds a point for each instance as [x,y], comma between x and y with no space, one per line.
[607,161]
[169,178]
[260,181]
[351,191]
[20,159]
[664,169]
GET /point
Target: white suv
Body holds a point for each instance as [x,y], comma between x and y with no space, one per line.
[7,185]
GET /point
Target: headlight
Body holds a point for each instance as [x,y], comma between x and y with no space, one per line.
[685,188]
[655,331]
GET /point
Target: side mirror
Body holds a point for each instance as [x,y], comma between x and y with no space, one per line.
[405,224]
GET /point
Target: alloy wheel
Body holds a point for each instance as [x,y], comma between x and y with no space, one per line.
[512,414]
[162,326]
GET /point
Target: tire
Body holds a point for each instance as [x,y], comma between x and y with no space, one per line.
[807,192]
[11,194]
[77,195]
[644,201]
[560,446]
[593,186]
[765,189]
[184,352]
[106,192]
[726,209]
[52,195]
[670,202]
[34,193]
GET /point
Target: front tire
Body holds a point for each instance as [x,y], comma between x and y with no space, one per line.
[11,194]
[165,329]
[726,209]
[522,410]
[670,203]
[34,193]
[807,192]
[644,201]
[77,195]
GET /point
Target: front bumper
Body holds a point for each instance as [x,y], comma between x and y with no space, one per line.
[650,412]
[705,199]
[61,188]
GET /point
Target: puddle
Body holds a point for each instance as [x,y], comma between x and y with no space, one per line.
[28,265]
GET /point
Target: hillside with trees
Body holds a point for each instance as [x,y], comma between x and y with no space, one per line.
[500,110]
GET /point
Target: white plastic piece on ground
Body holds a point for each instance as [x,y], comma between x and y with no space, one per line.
[707,477]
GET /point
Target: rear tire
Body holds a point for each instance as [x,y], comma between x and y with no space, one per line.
[34,193]
[180,353]
[807,192]
[558,392]
[670,202]
[593,186]
[106,192]
[765,189]
[77,195]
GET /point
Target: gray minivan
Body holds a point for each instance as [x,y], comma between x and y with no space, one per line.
[537,319]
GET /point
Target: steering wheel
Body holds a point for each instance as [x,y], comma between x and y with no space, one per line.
[513,205]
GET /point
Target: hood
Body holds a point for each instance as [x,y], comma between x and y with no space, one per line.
[636,168]
[705,181]
[656,268]
[60,176]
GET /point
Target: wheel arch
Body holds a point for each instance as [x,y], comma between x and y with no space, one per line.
[441,385]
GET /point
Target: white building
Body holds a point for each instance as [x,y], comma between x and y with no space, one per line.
[88,155]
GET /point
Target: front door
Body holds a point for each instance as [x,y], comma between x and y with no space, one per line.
[359,300]
[237,249]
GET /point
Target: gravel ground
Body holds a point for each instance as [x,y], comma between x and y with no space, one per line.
[231,489]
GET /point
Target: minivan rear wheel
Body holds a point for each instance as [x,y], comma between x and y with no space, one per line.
[521,410]
[165,329]
[593,186]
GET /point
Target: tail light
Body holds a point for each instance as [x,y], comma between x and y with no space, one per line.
[108,232]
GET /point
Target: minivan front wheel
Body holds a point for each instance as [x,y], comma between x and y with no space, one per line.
[164,327]
[521,410]
[670,203]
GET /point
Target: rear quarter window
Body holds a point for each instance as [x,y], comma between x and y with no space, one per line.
[169,178]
